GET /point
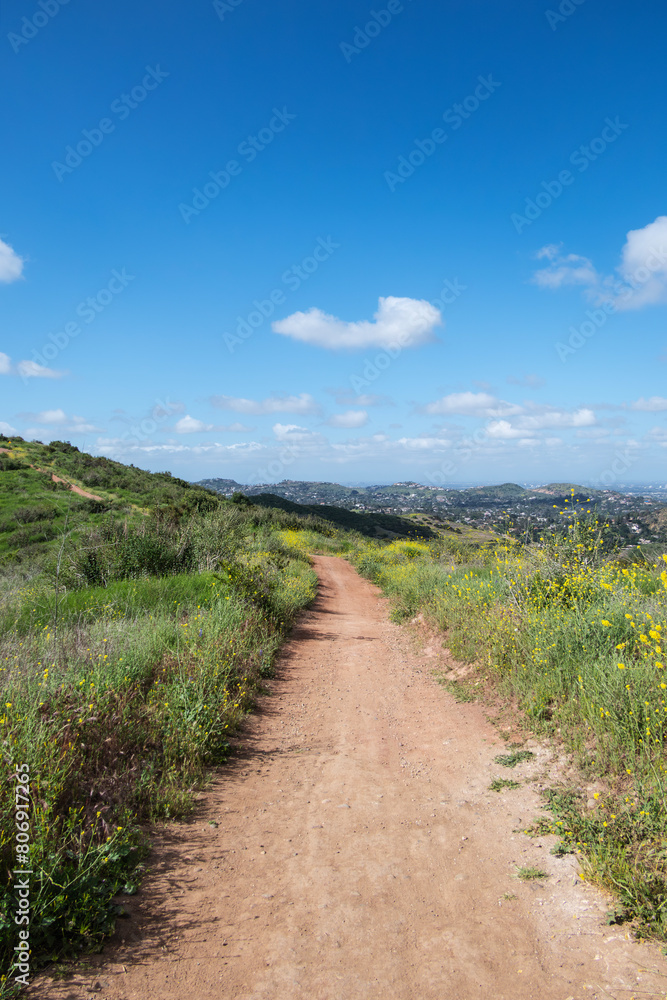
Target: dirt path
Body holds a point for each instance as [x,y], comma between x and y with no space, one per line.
[73,488]
[357,853]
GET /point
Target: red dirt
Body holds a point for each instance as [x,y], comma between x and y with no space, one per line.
[351,850]
[74,489]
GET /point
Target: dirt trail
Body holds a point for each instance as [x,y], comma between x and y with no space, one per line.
[73,488]
[358,854]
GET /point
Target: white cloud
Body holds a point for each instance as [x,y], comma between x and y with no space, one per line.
[293,432]
[653,404]
[7,429]
[349,419]
[504,430]
[122,449]
[640,279]
[582,417]
[398,322]
[11,265]
[51,417]
[474,404]
[566,269]
[302,404]
[190,425]
[59,419]
[550,251]
[30,369]
[658,434]
[80,426]
[424,443]
[27,369]
[644,264]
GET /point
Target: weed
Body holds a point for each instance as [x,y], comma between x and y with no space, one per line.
[529,873]
[514,758]
[498,784]
[460,691]
[561,849]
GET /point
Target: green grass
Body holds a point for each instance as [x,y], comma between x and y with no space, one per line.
[498,784]
[459,690]
[120,698]
[514,758]
[529,873]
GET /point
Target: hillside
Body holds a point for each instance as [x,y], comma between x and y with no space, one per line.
[373,525]
[44,487]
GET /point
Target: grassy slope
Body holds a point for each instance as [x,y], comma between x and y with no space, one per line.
[34,508]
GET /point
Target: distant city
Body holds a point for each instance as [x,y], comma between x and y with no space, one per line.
[636,514]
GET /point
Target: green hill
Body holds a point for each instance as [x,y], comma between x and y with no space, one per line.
[505,490]
[35,505]
[373,525]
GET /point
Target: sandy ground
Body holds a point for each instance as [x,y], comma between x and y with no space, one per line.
[352,849]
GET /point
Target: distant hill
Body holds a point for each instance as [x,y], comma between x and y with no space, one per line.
[374,525]
[562,489]
[504,490]
[398,497]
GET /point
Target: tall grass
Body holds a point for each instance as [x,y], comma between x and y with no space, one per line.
[577,640]
[120,696]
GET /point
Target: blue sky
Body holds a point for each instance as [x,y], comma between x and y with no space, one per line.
[414,240]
